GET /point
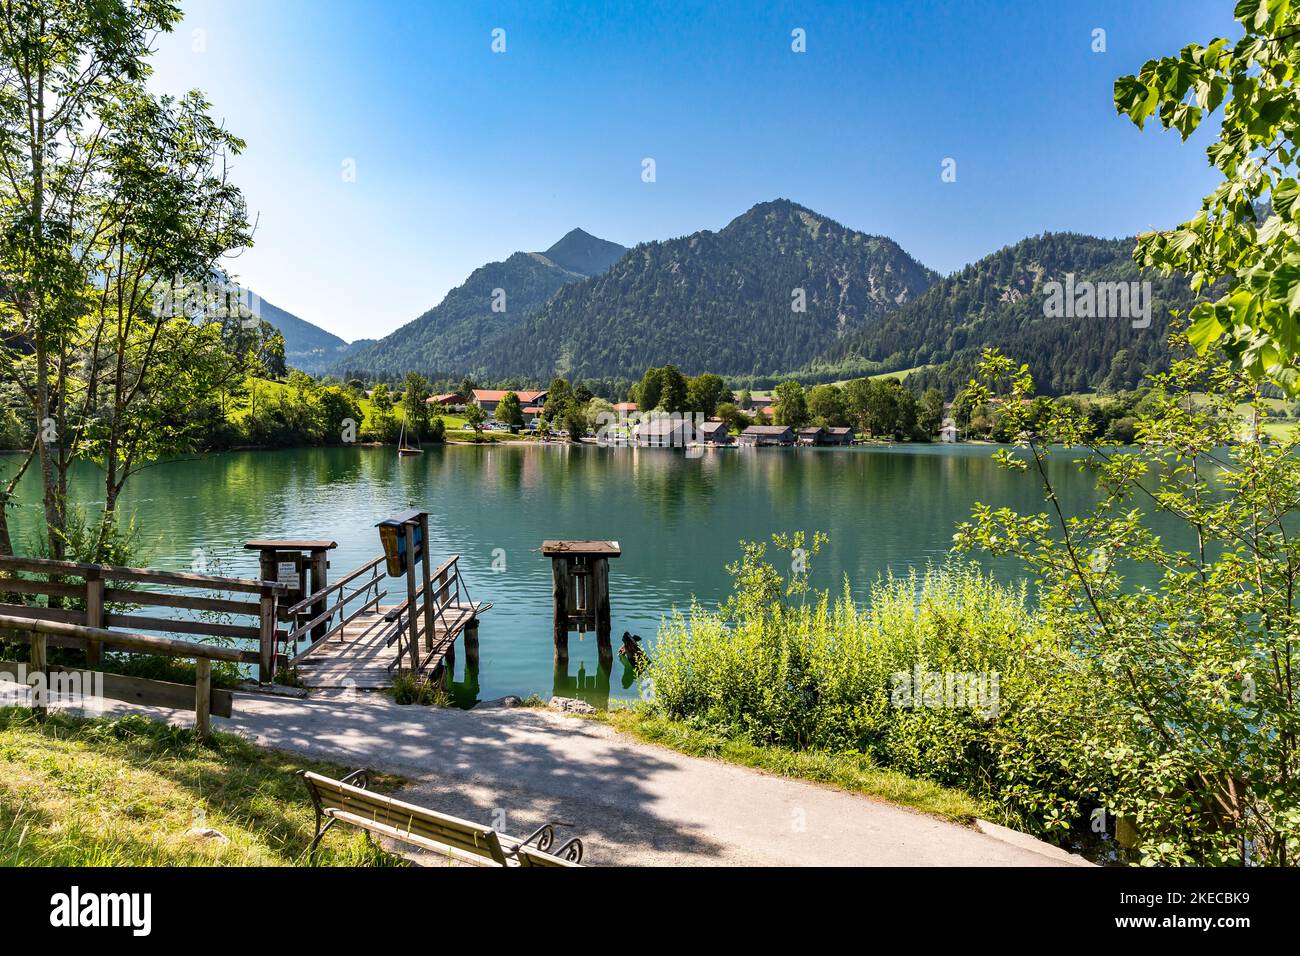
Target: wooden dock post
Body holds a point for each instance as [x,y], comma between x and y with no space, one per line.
[266,636]
[40,666]
[430,598]
[580,591]
[560,597]
[303,562]
[203,697]
[94,616]
[471,647]
[412,607]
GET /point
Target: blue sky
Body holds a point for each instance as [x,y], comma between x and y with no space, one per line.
[463,156]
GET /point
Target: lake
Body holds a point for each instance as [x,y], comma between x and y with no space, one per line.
[679,521]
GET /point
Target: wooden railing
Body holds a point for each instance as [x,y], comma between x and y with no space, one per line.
[111,600]
[440,590]
[37,633]
[348,598]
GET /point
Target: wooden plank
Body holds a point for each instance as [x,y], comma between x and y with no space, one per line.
[185,601]
[599,599]
[148,692]
[369,605]
[360,655]
[43,613]
[28,586]
[171,625]
[145,575]
[290,544]
[565,548]
[125,639]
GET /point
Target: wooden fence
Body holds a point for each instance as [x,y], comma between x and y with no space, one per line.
[108,616]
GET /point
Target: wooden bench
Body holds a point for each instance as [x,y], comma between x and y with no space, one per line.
[348,801]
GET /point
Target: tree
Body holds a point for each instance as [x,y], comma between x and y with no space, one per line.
[510,412]
[673,397]
[475,417]
[1196,676]
[110,198]
[337,407]
[648,390]
[857,395]
[665,389]
[826,406]
[383,423]
[1243,247]
[574,418]
[791,405]
[557,397]
[704,392]
[736,420]
[929,413]
[415,408]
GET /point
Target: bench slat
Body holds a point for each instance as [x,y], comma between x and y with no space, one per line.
[420,826]
[344,799]
[406,836]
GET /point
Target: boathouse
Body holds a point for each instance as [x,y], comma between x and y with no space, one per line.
[767,435]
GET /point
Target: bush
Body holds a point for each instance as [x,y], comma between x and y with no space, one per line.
[828,674]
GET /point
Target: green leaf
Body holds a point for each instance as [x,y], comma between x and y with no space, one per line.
[1205,328]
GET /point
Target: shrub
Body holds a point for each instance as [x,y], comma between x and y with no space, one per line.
[829,674]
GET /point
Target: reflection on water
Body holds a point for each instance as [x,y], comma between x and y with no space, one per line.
[679,521]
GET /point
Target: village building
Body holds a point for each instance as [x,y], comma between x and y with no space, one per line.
[767,435]
[715,433]
[665,432]
[489,398]
[450,401]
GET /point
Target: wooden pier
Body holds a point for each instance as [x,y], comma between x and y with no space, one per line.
[369,651]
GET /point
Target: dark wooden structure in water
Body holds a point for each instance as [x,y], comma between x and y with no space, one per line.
[580,589]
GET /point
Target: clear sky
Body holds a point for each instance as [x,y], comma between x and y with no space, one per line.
[463,155]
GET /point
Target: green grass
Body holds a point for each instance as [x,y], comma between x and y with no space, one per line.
[82,792]
[901,374]
[853,772]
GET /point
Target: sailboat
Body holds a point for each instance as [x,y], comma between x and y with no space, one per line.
[402,449]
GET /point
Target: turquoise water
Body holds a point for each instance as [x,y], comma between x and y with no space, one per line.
[679,521]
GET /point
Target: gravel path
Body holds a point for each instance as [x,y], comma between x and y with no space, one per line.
[631,803]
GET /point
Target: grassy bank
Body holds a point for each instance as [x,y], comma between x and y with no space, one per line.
[849,771]
[127,792]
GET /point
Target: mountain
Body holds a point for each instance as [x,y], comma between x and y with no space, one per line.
[1000,301]
[463,334]
[306,346]
[717,301]
[581,252]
